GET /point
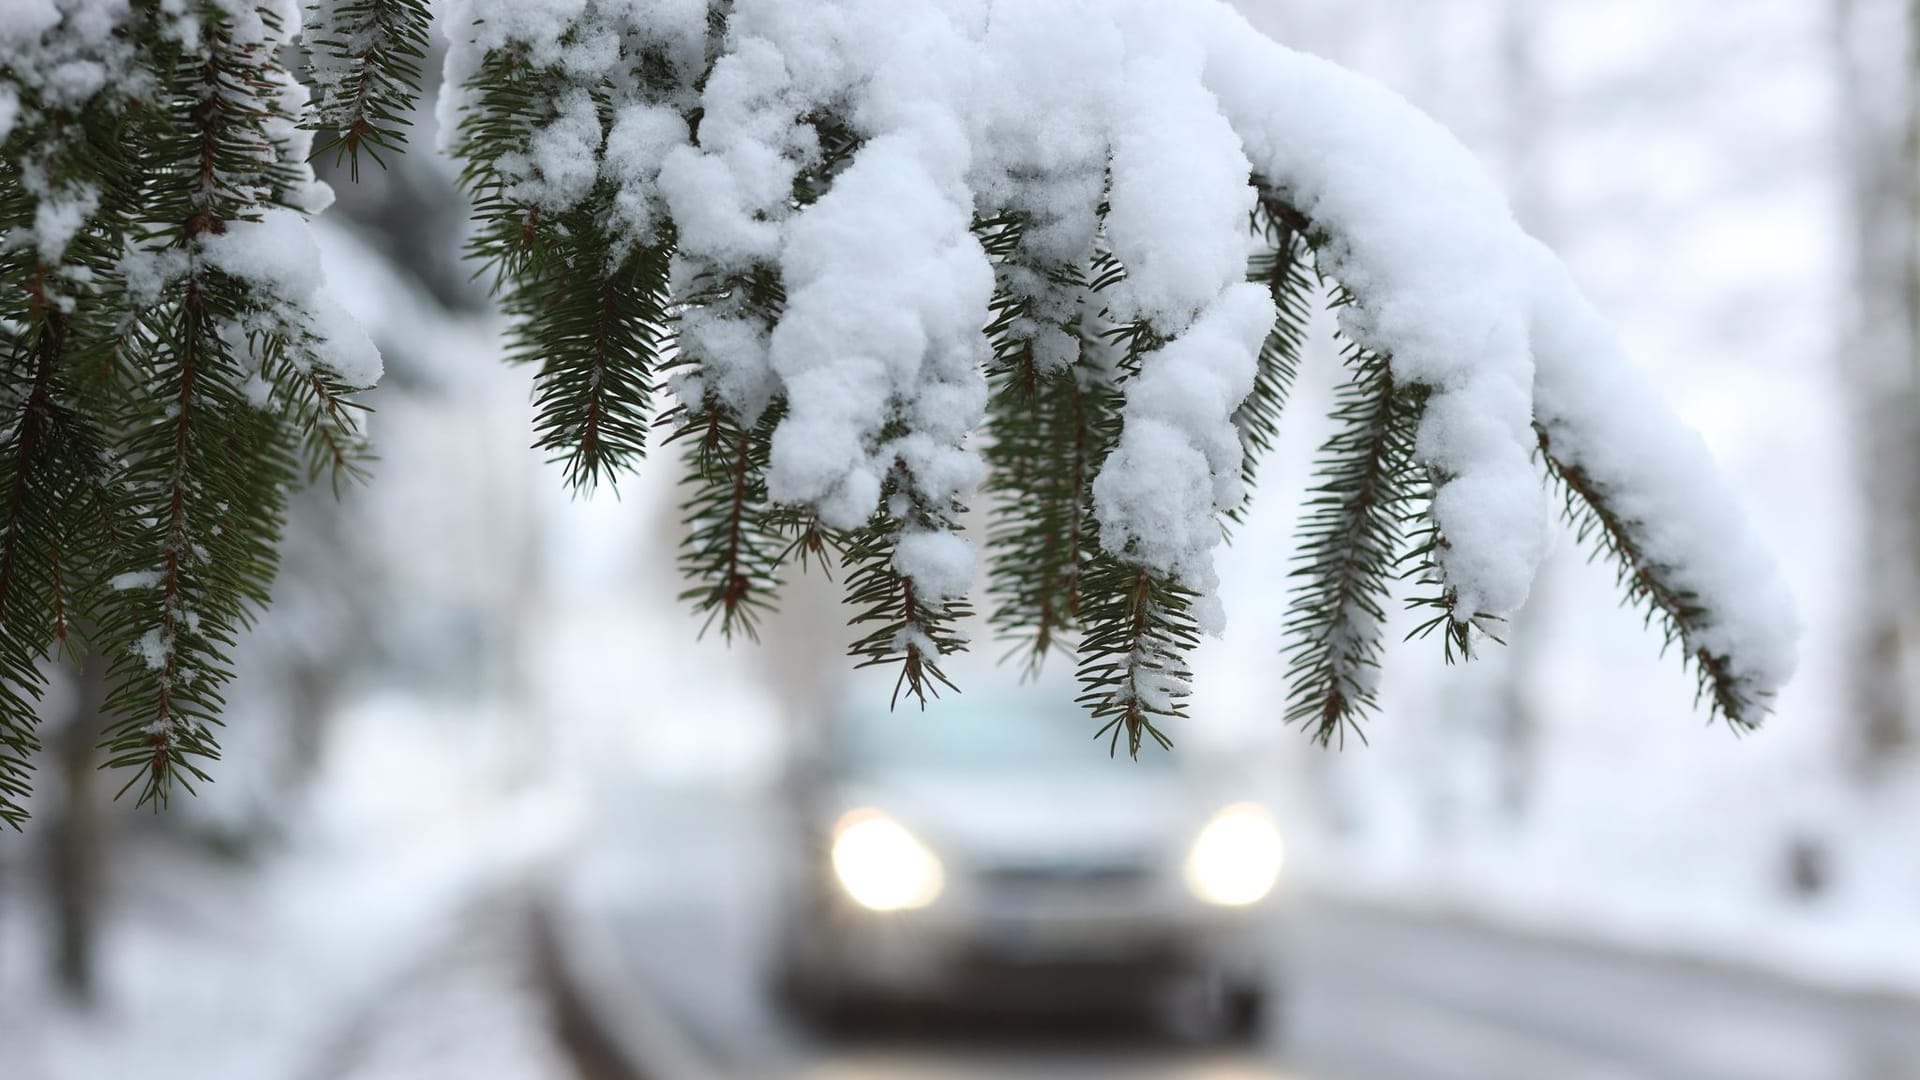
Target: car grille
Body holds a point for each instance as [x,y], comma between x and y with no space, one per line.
[1104,879]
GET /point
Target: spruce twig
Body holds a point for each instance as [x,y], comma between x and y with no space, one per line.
[1349,542]
[905,626]
[1649,585]
[1284,267]
[1137,627]
[1050,415]
[207,471]
[363,64]
[735,543]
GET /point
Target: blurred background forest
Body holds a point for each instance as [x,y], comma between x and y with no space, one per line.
[472,687]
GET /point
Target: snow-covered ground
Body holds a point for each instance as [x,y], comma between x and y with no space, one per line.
[385,940]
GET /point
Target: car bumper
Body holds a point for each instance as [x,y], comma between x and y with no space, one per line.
[1030,960]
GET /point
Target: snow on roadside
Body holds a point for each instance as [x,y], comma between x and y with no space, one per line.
[341,956]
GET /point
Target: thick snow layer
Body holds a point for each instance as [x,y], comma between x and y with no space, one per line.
[887,287]
[1051,79]
[1179,194]
[1660,477]
[941,564]
[562,169]
[863,338]
[1167,109]
[60,216]
[276,253]
[278,257]
[637,145]
[1464,301]
[1178,463]
[1442,275]
[294,142]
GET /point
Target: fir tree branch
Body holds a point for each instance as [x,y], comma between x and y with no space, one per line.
[736,540]
[811,543]
[53,536]
[1283,267]
[363,65]
[31,608]
[1044,455]
[207,472]
[1133,653]
[1051,418]
[1137,627]
[327,417]
[1350,539]
[592,320]
[1439,609]
[1647,584]
[1421,561]
[908,628]
[81,166]
[508,101]
[588,310]
[162,394]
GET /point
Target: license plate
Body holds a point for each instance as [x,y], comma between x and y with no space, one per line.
[1039,935]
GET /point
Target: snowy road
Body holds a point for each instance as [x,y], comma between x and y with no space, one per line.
[1371,996]
[1378,997]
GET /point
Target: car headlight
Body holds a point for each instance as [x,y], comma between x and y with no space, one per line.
[1235,860]
[882,866]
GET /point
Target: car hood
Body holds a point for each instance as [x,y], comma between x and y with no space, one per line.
[1037,818]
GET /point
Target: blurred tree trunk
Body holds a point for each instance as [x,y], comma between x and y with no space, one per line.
[312,692]
[1911,158]
[76,839]
[1878,52]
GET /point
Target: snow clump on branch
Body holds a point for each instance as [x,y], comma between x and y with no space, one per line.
[1143,132]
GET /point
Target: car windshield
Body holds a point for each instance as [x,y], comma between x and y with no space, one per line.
[978,734]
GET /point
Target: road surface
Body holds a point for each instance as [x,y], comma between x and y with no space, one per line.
[1371,995]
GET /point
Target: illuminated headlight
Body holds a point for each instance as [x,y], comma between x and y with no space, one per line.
[1236,859]
[882,866]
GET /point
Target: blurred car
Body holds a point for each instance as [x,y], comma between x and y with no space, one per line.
[988,852]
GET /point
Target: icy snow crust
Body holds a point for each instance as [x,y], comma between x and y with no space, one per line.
[1167,109]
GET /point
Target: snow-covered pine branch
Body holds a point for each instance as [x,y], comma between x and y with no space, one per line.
[864,260]
[363,67]
[171,357]
[1353,538]
[942,189]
